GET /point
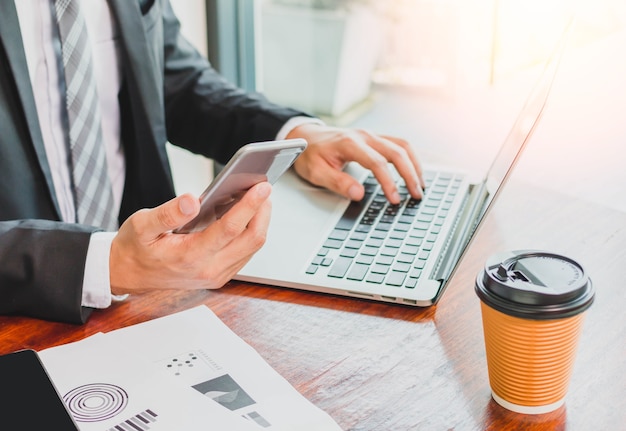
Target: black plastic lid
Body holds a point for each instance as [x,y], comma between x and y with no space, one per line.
[535,284]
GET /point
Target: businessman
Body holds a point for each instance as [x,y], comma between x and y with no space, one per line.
[88,101]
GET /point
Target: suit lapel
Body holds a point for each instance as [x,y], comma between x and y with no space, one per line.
[140,68]
[10,37]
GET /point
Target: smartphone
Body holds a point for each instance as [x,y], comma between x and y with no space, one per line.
[251,164]
[30,400]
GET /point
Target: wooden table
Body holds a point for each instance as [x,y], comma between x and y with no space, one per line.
[386,367]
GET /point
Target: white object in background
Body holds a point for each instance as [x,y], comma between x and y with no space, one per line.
[319,60]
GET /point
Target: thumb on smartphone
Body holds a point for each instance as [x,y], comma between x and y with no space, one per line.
[168,216]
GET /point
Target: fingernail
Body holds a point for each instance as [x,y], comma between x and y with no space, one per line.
[186,206]
[395,197]
[264,190]
[354,193]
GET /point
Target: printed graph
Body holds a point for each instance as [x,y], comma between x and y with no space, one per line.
[96,402]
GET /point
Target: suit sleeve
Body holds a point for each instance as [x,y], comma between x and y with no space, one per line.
[41,269]
[205,113]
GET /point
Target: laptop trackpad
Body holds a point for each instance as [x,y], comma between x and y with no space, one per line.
[302,215]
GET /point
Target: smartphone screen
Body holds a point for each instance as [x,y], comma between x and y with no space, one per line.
[252,164]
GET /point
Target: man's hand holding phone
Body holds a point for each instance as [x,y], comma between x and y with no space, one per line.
[147,255]
[191,243]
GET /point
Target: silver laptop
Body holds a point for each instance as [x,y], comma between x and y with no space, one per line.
[405,253]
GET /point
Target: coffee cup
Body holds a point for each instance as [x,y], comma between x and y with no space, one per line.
[532,306]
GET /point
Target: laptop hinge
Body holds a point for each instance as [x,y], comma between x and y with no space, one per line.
[466,226]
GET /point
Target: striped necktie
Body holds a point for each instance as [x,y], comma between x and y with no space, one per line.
[93,195]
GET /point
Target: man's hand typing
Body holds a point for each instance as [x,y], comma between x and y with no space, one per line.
[330,148]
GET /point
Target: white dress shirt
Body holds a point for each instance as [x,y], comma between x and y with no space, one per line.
[36,25]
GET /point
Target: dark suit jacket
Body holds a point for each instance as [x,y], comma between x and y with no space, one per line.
[169,92]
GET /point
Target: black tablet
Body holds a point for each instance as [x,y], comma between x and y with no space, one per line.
[28,398]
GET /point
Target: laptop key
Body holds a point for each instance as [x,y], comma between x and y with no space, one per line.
[378,203]
[405,258]
[402,227]
[401,267]
[410,249]
[395,278]
[357,272]
[340,267]
[392,210]
[384,260]
[425,218]
[379,234]
[369,251]
[351,214]
[365,228]
[333,243]
[395,243]
[421,226]
[358,236]
[375,278]
[338,234]
[383,226]
[354,244]
[368,220]
[364,259]
[348,252]
[413,241]
[398,234]
[389,251]
[413,203]
[380,269]
[374,242]
[386,218]
[411,283]
[312,269]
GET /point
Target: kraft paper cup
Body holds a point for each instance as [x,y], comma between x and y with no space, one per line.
[532,306]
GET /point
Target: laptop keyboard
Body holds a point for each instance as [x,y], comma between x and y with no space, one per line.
[381,243]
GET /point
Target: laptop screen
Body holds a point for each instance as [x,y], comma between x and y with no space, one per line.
[526,122]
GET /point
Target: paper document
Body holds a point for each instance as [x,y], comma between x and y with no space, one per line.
[187,371]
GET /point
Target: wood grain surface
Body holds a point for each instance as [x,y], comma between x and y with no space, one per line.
[386,367]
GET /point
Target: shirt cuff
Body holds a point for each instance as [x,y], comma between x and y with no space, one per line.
[96,281]
[294,122]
